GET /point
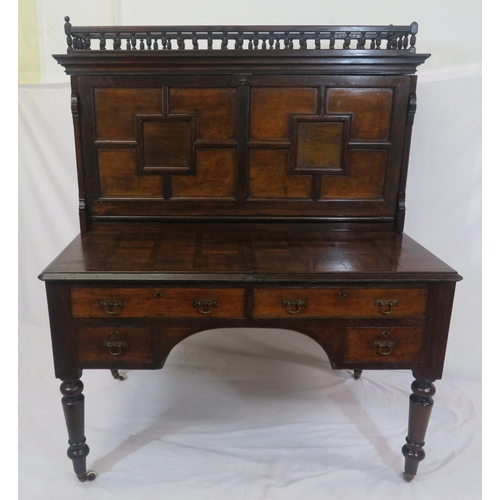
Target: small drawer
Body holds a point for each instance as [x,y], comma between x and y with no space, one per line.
[157,302]
[114,344]
[339,302]
[397,344]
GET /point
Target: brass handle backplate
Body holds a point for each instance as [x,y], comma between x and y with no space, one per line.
[293,306]
[111,307]
[205,306]
[385,306]
[115,348]
[384,348]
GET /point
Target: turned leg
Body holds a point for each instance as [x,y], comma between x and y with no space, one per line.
[420,411]
[73,407]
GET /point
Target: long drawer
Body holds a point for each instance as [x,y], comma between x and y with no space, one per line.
[338,302]
[157,302]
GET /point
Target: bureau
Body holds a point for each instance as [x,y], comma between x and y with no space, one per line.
[245,176]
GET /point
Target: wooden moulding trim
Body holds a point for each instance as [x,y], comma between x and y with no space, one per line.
[251,278]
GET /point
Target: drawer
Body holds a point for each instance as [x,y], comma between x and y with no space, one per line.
[157,302]
[399,344]
[114,344]
[339,302]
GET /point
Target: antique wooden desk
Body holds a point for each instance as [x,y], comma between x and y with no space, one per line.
[245,177]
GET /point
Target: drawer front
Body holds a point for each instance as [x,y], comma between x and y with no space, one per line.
[397,344]
[119,344]
[338,302]
[157,302]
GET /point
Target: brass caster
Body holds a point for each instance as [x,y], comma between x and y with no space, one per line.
[357,374]
[90,475]
[118,375]
[408,477]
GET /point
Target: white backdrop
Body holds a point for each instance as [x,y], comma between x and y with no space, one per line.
[263,416]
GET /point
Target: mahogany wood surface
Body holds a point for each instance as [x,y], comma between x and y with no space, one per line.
[245,176]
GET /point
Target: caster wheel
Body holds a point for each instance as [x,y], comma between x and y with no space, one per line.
[408,477]
[118,375]
[90,475]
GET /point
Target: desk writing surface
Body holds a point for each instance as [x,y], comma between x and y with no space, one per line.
[239,253]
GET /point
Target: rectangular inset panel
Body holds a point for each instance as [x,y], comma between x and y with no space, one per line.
[371,109]
[115,111]
[383,344]
[365,177]
[271,108]
[214,176]
[119,178]
[269,177]
[319,145]
[167,145]
[215,110]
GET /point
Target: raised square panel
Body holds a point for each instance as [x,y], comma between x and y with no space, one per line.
[166,145]
[319,144]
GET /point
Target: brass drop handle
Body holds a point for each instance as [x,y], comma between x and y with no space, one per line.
[385,306]
[293,306]
[205,306]
[115,347]
[384,348]
[111,307]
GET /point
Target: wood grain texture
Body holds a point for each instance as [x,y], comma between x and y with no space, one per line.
[371,109]
[383,344]
[116,109]
[156,302]
[338,302]
[137,344]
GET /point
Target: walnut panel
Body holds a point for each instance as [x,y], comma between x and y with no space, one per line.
[371,109]
[118,175]
[270,110]
[167,145]
[364,180]
[214,178]
[319,145]
[115,111]
[269,176]
[215,110]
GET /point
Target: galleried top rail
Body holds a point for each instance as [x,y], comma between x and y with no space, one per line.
[389,39]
